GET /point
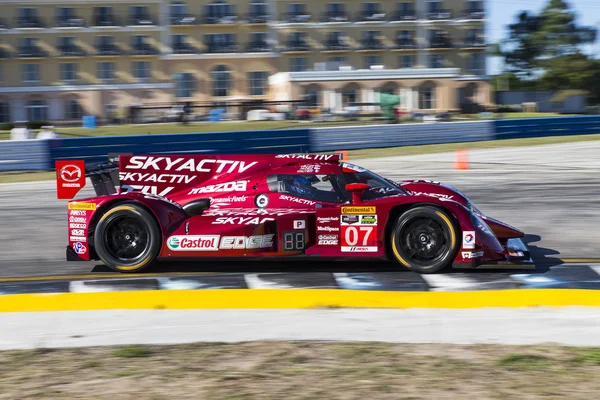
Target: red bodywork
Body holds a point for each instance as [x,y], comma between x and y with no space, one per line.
[253,214]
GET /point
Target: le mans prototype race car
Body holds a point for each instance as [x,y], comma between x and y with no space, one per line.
[157,207]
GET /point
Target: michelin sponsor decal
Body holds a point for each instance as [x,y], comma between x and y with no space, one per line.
[328,229]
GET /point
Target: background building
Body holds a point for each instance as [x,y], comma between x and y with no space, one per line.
[60,61]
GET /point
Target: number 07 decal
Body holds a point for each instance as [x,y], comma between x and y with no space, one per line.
[359,238]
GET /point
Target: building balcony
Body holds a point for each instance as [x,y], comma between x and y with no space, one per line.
[71,51]
[440,44]
[339,17]
[219,19]
[296,18]
[259,47]
[473,14]
[146,50]
[439,15]
[70,22]
[371,17]
[337,46]
[30,22]
[184,49]
[31,52]
[142,20]
[106,20]
[404,16]
[405,45]
[371,45]
[256,18]
[219,49]
[109,51]
[296,46]
[473,44]
[184,19]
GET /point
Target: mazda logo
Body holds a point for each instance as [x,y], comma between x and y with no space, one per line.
[70,173]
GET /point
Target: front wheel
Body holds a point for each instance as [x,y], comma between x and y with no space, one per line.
[424,239]
[127,238]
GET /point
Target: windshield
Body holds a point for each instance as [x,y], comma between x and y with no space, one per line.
[380,187]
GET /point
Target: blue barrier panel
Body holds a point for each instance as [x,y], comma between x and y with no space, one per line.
[541,127]
[96,149]
[24,155]
[373,136]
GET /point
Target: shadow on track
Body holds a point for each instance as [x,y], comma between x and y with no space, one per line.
[541,256]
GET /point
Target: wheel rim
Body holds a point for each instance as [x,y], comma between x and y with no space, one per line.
[126,238]
[424,241]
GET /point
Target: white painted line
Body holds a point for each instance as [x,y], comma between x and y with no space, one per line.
[449,282]
[255,282]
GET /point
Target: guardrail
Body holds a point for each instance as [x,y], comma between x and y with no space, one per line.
[24,155]
[41,154]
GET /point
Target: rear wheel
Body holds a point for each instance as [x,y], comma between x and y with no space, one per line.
[424,239]
[127,238]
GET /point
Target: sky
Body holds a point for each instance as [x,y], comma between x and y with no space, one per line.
[501,13]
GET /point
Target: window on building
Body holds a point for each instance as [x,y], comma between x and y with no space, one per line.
[179,40]
[336,9]
[435,61]
[178,9]
[372,60]
[185,85]
[427,97]
[4,111]
[66,42]
[297,64]
[138,13]
[27,13]
[27,43]
[258,8]
[406,61]
[390,88]
[1,73]
[141,70]
[338,60]
[311,96]
[221,81]
[297,9]
[477,64]
[73,109]
[65,13]
[30,73]
[68,72]
[37,110]
[220,9]
[139,41]
[405,10]
[219,41]
[349,95]
[371,8]
[434,6]
[105,71]
[258,83]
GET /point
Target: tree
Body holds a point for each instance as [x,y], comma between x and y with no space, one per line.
[539,42]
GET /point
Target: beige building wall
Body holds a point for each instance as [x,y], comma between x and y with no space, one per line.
[160,23]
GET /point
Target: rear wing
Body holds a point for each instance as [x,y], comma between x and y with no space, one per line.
[104,176]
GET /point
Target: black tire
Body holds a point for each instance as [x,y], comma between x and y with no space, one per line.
[424,239]
[127,238]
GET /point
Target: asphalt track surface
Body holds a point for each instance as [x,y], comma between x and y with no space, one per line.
[551,192]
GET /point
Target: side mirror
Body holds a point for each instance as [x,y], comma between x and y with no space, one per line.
[196,207]
[357,190]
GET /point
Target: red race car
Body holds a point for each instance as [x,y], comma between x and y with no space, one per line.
[169,207]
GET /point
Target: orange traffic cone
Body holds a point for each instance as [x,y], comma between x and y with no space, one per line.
[462,160]
[343,154]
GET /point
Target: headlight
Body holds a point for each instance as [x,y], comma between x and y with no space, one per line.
[480,224]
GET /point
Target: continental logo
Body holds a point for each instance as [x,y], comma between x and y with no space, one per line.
[82,206]
[359,210]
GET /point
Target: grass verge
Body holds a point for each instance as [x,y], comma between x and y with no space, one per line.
[302,370]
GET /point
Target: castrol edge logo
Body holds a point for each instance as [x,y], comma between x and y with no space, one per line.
[194,243]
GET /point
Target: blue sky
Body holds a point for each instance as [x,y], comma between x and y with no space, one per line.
[501,13]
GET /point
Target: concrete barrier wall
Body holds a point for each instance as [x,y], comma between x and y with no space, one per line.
[24,155]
